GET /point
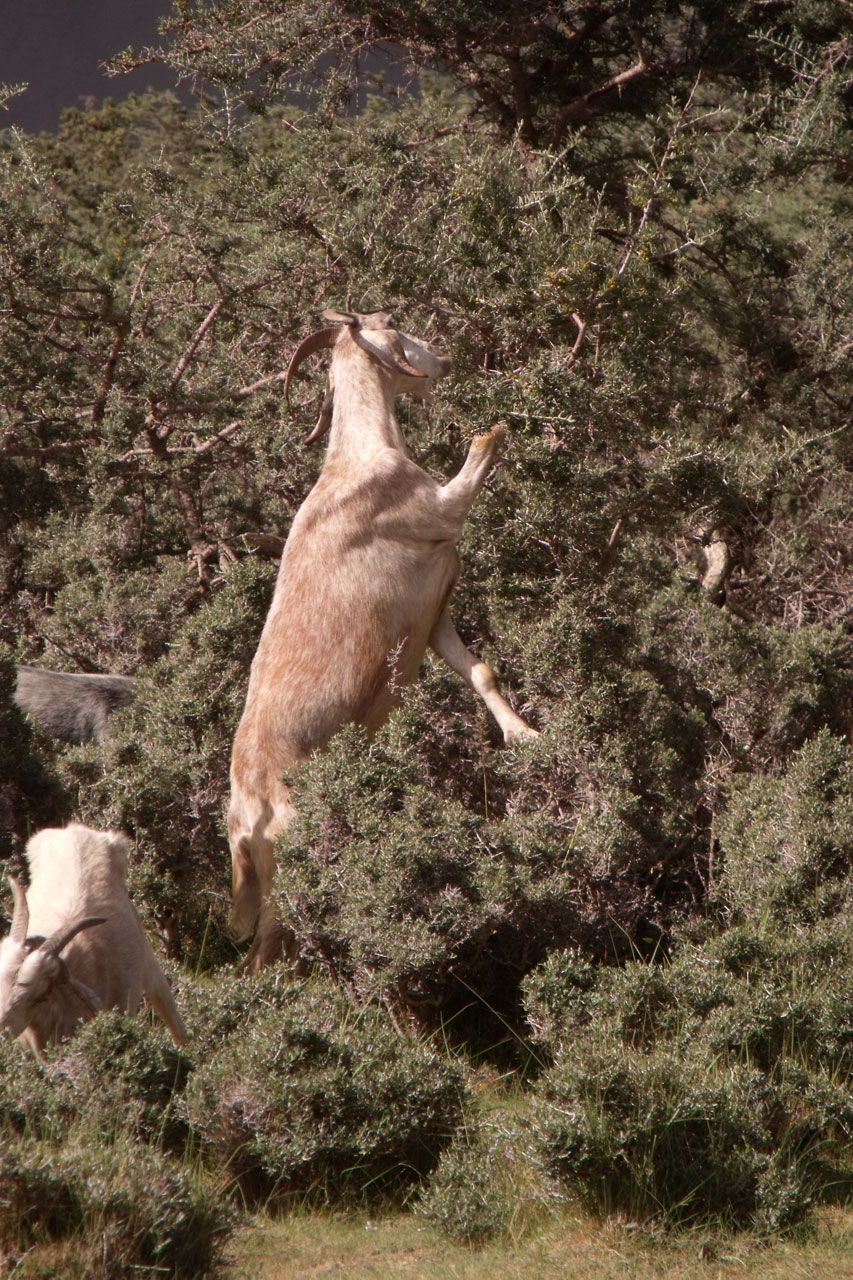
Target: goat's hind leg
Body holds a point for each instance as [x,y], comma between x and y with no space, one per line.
[446,642]
[252,909]
[272,942]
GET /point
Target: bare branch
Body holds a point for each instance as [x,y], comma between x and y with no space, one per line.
[256,386]
[122,330]
[578,107]
[225,434]
[195,341]
[161,433]
[573,354]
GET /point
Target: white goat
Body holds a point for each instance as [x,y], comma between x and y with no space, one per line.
[363,589]
[77,882]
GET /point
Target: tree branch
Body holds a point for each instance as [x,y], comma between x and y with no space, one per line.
[578,107]
[122,330]
[62,448]
[195,341]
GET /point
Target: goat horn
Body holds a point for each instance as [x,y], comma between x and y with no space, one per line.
[397,364]
[314,342]
[324,421]
[59,941]
[21,914]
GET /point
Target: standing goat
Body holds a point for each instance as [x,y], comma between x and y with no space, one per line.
[87,949]
[363,589]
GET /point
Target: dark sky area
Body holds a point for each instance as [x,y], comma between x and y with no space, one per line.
[57,46]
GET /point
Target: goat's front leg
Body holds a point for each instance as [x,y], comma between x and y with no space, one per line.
[458,495]
[445,641]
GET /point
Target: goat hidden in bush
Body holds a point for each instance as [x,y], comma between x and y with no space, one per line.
[363,588]
[75,707]
[76,944]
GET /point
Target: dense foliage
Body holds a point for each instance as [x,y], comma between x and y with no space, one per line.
[648,281]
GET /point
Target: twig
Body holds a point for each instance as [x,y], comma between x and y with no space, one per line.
[581,324]
[121,334]
[181,366]
[255,386]
[575,109]
[634,241]
[160,451]
[61,449]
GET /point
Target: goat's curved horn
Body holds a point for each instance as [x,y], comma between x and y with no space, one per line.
[21,914]
[324,421]
[314,342]
[59,941]
[396,363]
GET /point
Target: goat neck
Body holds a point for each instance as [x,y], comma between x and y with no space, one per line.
[363,419]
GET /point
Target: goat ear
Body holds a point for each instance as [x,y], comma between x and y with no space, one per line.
[395,361]
[341,317]
[89,997]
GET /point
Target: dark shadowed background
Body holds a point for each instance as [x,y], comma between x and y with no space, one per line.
[58,46]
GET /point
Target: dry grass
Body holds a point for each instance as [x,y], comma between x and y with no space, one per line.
[365,1249]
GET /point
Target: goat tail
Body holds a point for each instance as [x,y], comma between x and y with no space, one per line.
[246,895]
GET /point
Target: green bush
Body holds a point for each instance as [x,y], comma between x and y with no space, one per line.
[126,1072]
[671,1137]
[658,307]
[471,1196]
[714,1085]
[567,999]
[164,775]
[121,1074]
[127,1207]
[788,841]
[323,1101]
[410,896]
[31,1102]
[85,1143]
[215,1005]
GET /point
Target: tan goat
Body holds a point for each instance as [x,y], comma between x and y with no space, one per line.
[76,944]
[363,589]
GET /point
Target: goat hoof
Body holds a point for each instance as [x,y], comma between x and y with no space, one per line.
[520,733]
[492,439]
